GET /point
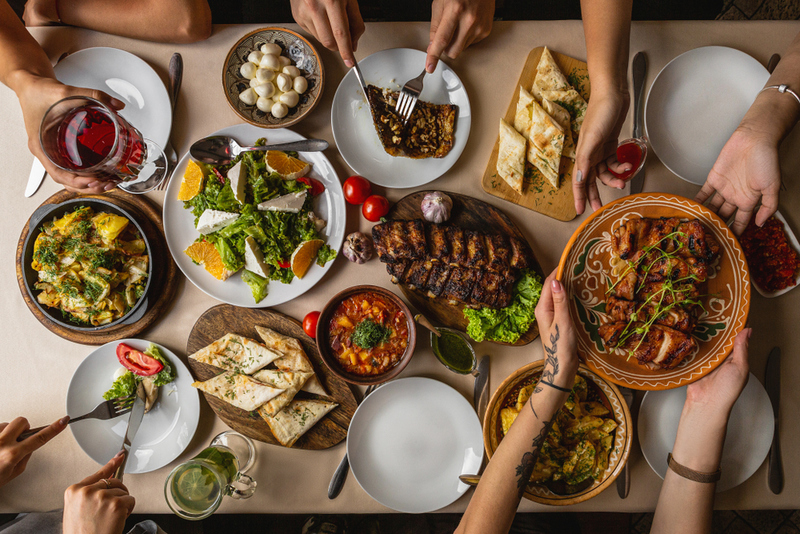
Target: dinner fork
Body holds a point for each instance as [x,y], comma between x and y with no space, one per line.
[409,94]
[105,410]
[339,476]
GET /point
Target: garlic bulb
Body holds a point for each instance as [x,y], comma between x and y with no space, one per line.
[436,207]
[357,247]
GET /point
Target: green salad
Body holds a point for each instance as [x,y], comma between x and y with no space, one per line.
[256,219]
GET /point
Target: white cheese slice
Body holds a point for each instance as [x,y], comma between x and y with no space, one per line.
[212,220]
[291,203]
[237,181]
[253,258]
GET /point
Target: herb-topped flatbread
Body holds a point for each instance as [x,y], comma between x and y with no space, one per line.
[551,84]
[511,156]
[289,381]
[293,357]
[236,353]
[239,390]
[522,118]
[297,418]
[561,116]
[546,144]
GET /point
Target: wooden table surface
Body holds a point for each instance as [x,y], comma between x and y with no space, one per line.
[37,365]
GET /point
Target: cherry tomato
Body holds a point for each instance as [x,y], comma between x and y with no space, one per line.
[357,189]
[137,361]
[316,187]
[283,264]
[375,207]
[310,324]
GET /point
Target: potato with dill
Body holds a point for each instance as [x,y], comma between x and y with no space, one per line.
[580,441]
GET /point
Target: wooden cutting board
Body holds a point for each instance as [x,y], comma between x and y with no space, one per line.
[471,214]
[538,194]
[222,319]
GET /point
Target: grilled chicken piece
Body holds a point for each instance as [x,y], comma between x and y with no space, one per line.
[417,274]
[661,346]
[397,270]
[657,267]
[458,246]
[686,238]
[459,286]
[476,250]
[662,294]
[498,252]
[492,290]
[397,240]
[438,243]
[521,256]
[437,279]
[678,318]
[625,286]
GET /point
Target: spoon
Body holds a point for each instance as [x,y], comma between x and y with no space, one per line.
[421,319]
[221,149]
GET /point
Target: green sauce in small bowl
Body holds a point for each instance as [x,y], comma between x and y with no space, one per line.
[454,351]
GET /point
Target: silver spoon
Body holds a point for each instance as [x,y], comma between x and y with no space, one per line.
[221,149]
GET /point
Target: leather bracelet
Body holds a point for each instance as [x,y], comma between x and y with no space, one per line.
[691,474]
[782,88]
[559,388]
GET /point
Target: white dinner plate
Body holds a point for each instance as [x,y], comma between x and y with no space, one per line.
[127,78]
[166,429]
[180,231]
[747,442]
[410,440]
[695,104]
[355,133]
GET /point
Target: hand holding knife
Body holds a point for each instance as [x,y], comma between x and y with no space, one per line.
[137,413]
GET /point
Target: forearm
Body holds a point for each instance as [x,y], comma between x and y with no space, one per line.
[607,28]
[685,505]
[21,57]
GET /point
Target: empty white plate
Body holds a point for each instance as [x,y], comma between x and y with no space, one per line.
[410,440]
[694,105]
[747,442]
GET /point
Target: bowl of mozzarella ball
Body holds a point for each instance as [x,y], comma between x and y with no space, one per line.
[273,77]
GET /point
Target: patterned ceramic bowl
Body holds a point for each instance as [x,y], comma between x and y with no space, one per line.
[582,270]
[608,395]
[303,56]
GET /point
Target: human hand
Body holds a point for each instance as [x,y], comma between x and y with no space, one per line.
[557,333]
[40,13]
[747,171]
[455,25]
[98,504]
[14,455]
[337,24]
[596,152]
[36,94]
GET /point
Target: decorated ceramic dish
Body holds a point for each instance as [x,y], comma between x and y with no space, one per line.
[726,303]
[294,46]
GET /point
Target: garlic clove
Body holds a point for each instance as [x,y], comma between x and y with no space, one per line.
[291,70]
[248,96]
[270,62]
[284,61]
[255,57]
[279,110]
[265,104]
[300,84]
[271,48]
[265,75]
[266,90]
[290,98]
[283,82]
[248,70]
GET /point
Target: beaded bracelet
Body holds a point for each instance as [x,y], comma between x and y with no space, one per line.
[782,88]
[691,474]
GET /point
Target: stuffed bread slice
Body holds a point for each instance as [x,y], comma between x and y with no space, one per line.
[293,357]
[522,118]
[239,390]
[236,353]
[550,83]
[546,144]
[511,156]
[289,381]
[561,116]
[296,419]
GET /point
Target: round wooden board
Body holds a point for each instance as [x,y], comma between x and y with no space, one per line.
[162,286]
[471,214]
[224,318]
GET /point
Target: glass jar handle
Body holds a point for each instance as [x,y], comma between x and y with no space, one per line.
[242,487]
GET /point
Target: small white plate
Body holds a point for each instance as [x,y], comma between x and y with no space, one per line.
[410,440]
[180,231]
[796,246]
[166,429]
[747,442]
[127,78]
[694,105]
[355,133]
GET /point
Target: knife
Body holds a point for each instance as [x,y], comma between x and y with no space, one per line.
[773,385]
[639,75]
[340,475]
[481,393]
[137,413]
[624,479]
[36,177]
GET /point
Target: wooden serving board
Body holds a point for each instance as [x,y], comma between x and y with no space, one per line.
[224,318]
[538,194]
[471,214]
[162,286]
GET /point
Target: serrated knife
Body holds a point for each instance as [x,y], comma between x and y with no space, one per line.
[639,76]
[773,386]
[137,413]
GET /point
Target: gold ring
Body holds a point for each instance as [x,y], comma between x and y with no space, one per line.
[108,484]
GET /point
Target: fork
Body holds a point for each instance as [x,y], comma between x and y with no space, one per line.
[409,94]
[105,410]
[175,79]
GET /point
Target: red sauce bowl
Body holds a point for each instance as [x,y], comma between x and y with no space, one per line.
[328,354]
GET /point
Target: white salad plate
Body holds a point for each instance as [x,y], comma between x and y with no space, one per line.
[166,429]
[127,78]
[180,231]
[410,440]
[747,442]
[695,104]
[355,133]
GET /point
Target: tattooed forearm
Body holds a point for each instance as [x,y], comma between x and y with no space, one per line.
[526,465]
[550,362]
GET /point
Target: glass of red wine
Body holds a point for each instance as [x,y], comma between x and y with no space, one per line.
[634,152]
[83,136]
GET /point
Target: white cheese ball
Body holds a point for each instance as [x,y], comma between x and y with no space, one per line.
[291,70]
[248,70]
[271,48]
[290,98]
[265,75]
[248,96]
[270,62]
[284,61]
[283,82]
[279,110]
[255,57]
[300,84]
[265,104]
[254,83]
[265,90]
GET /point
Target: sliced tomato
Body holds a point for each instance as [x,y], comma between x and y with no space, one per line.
[315,186]
[219,175]
[283,264]
[137,362]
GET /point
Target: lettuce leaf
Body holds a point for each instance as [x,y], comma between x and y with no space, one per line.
[123,386]
[258,284]
[167,374]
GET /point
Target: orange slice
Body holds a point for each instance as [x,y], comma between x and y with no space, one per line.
[288,167]
[207,255]
[192,183]
[304,255]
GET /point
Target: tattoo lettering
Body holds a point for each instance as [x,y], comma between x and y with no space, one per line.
[550,362]
[528,462]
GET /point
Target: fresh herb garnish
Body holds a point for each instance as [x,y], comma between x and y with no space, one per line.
[368,334]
